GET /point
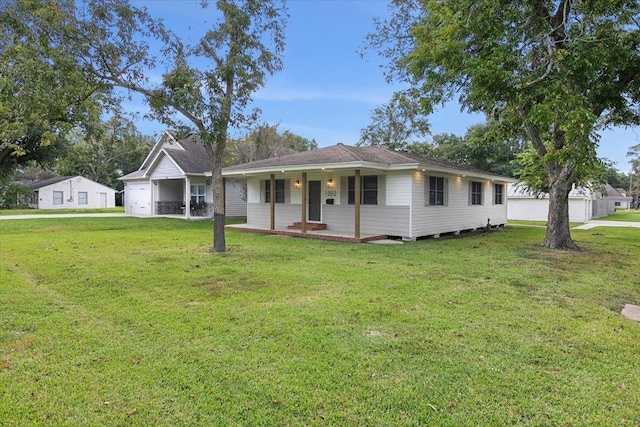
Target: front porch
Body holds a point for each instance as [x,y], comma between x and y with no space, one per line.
[310,233]
[184,197]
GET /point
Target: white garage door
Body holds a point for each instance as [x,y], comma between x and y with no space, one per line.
[138,199]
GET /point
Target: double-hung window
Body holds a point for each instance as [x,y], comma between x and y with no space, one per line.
[368,190]
[58,197]
[498,194]
[436,191]
[197,194]
[83,198]
[279,191]
[475,193]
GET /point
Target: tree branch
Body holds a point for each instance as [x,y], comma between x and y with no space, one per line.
[150,94]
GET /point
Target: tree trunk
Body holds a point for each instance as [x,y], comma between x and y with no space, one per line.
[219,241]
[558,234]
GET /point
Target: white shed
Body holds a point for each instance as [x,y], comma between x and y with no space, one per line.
[71,192]
[527,206]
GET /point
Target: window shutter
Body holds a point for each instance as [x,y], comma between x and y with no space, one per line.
[427,188]
[446,191]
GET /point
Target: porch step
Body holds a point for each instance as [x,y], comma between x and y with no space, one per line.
[311,226]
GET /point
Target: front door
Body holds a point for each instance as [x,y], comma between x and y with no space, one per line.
[315,200]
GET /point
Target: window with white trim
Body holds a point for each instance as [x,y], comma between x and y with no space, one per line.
[83,198]
[197,194]
[58,197]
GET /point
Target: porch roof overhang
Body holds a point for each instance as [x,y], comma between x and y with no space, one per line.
[365,167]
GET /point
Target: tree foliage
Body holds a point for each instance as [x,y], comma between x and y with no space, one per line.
[397,125]
[267,141]
[479,149]
[551,72]
[105,151]
[206,88]
[43,90]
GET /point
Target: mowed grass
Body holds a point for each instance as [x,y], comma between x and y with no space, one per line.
[624,215]
[127,321]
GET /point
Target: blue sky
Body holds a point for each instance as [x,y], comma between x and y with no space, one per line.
[326,90]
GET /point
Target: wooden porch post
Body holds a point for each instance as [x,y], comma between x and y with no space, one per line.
[357,203]
[187,197]
[304,202]
[272,191]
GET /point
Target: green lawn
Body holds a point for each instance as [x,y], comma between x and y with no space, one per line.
[118,209]
[624,215]
[128,321]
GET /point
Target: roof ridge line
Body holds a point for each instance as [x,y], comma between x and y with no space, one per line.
[350,150]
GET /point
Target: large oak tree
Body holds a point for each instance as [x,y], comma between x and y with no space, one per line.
[43,91]
[553,72]
[206,87]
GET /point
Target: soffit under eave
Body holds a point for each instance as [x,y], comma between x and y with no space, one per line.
[325,168]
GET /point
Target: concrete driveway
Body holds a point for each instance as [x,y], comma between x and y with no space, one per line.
[75,215]
[595,223]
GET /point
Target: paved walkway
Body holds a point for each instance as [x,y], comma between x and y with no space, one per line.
[75,215]
[595,223]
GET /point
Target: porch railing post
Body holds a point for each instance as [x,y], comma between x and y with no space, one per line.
[304,202]
[187,197]
[272,204]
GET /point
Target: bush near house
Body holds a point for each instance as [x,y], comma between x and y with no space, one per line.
[127,321]
[13,195]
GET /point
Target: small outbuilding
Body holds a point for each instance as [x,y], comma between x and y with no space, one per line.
[526,205]
[71,192]
[175,179]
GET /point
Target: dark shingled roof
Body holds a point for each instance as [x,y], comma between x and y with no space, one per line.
[341,153]
[45,182]
[193,159]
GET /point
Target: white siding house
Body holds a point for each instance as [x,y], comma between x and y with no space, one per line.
[175,179]
[71,192]
[401,195]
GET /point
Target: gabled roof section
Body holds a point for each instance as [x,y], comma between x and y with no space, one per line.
[191,156]
[188,154]
[45,182]
[343,156]
[615,194]
[168,137]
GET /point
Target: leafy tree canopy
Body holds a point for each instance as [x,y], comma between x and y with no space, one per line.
[206,86]
[480,150]
[267,141]
[551,72]
[43,91]
[103,152]
[397,125]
